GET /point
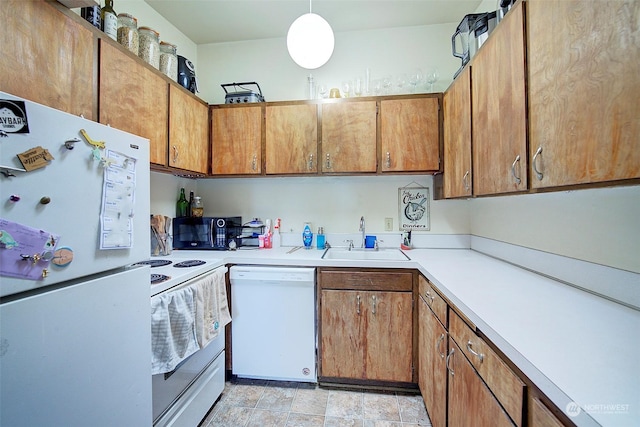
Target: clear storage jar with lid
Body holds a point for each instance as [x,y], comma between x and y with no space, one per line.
[149,49]
[169,60]
[128,32]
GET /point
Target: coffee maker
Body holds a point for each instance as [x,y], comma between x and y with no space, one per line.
[187,74]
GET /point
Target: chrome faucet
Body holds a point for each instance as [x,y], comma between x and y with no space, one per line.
[362,229]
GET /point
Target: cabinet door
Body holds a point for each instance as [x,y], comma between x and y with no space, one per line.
[349,137]
[134,99]
[457,137]
[499,109]
[432,371]
[470,401]
[291,139]
[410,135]
[188,132]
[389,335]
[342,334]
[584,108]
[47,57]
[236,140]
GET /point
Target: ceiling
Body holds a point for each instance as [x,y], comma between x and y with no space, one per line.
[217,21]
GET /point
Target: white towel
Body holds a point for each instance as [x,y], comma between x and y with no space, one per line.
[212,310]
[173,333]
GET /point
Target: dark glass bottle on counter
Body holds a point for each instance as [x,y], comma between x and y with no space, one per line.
[182,207]
[190,209]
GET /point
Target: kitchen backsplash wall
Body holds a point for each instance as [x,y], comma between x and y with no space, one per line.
[335,203]
[597,225]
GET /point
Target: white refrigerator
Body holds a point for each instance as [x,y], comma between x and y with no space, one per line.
[75,334]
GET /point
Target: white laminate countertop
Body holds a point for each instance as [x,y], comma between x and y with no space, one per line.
[575,346]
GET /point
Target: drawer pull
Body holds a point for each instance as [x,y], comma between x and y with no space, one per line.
[478,355]
[375,300]
[429,297]
[449,356]
[358,304]
[440,340]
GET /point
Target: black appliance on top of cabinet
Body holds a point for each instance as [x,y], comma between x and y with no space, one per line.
[187,74]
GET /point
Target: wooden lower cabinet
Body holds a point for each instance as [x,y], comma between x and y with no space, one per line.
[540,415]
[471,403]
[366,326]
[432,369]
[367,335]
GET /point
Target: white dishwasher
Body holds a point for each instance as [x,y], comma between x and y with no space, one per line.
[273,328]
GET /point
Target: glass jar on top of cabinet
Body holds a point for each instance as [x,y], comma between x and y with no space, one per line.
[128,32]
[149,48]
[169,60]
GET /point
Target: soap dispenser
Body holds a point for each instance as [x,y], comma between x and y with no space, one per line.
[307,235]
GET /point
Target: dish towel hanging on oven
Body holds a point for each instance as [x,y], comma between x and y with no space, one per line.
[173,333]
[212,310]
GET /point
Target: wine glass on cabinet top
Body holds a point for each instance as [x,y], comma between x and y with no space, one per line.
[432,77]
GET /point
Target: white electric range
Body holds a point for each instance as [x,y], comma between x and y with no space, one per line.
[184,395]
[168,272]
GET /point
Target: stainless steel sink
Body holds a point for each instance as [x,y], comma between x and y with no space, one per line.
[389,254]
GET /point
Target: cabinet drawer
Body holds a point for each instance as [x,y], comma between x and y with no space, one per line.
[504,384]
[370,280]
[433,300]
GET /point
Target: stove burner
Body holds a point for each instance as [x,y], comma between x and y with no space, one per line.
[158,278]
[189,263]
[154,262]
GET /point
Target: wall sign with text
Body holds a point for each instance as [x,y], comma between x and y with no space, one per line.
[413,208]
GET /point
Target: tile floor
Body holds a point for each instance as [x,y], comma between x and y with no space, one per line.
[288,404]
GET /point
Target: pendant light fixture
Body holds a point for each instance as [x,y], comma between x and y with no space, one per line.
[310,40]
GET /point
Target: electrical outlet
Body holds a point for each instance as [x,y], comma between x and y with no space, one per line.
[388,224]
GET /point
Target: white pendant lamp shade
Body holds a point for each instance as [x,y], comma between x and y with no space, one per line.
[310,41]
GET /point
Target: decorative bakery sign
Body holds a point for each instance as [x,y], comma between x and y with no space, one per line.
[413,208]
[13,117]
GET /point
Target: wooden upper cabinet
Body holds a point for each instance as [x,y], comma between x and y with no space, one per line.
[499,109]
[457,137]
[349,137]
[236,140]
[47,57]
[291,142]
[133,98]
[584,102]
[410,134]
[188,132]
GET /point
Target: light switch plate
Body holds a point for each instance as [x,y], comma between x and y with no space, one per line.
[388,224]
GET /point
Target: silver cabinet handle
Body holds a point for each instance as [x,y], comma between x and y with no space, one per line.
[358,304]
[478,355]
[254,162]
[513,169]
[449,356]
[438,343]
[388,159]
[328,162]
[465,181]
[428,296]
[175,154]
[310,162]
[539,174]
[375,301]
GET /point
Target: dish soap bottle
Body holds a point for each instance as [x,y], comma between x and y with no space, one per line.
[320,239]
[307,236]
[182,207]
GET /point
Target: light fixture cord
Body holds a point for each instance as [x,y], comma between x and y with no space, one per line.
[310,6]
